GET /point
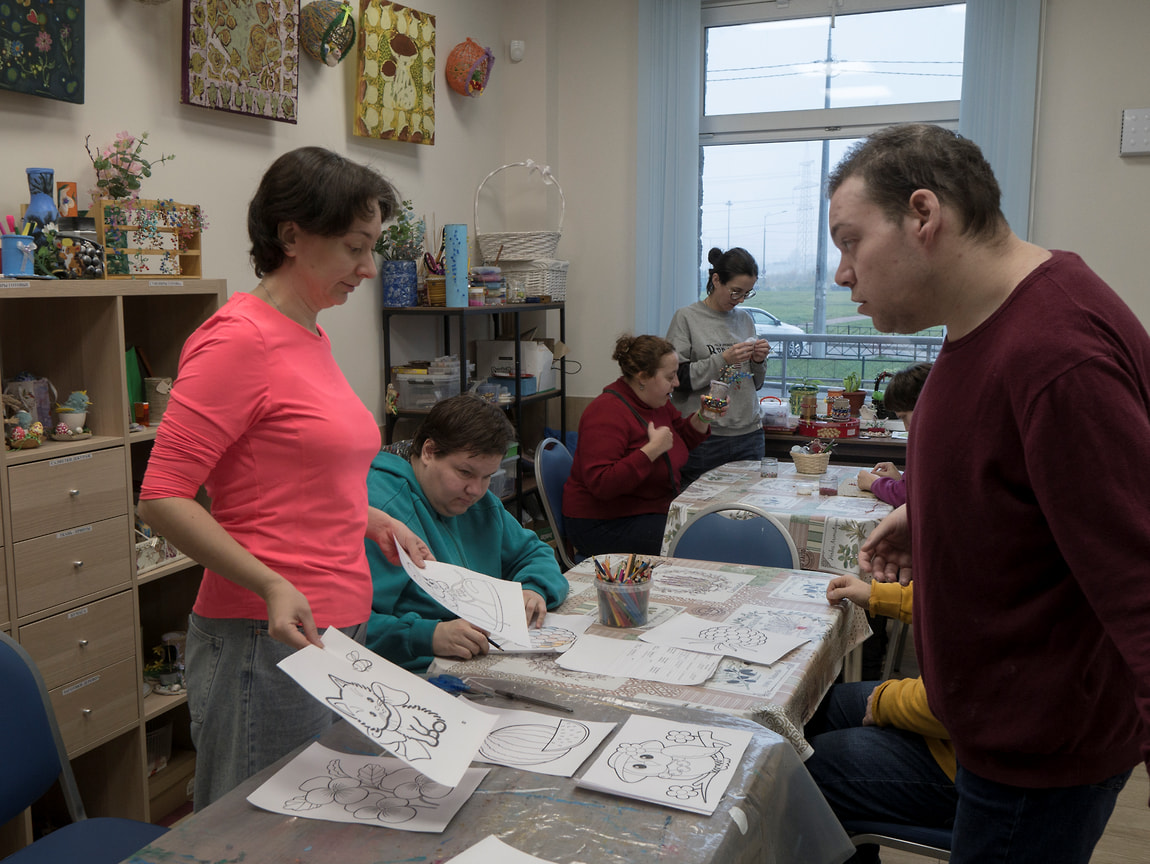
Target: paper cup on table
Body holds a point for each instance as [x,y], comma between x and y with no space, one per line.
[623,604]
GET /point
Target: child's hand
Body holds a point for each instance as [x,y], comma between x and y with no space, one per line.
[849,588]
[865,479]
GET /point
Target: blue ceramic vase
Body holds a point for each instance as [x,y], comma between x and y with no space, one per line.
[399,283]
[42,204]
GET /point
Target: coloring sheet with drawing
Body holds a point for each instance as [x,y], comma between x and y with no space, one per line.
[691,633]
[494,605]
[602,655]
[416,721]
[491,848]
[557,634]
[321,783]
[678,764]
[539,742]
[675,581]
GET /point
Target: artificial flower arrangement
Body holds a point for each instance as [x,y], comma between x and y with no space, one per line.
[120,165]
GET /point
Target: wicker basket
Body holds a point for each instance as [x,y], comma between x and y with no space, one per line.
[544,277]
[520,245]
[811,463]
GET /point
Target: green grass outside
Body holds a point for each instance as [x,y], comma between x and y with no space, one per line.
[796,306]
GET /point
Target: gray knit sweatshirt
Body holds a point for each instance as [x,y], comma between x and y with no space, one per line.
[700,336]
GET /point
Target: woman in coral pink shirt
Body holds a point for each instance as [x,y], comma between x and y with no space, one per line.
[263,419]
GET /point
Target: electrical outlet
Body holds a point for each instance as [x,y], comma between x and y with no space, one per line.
[1135,132]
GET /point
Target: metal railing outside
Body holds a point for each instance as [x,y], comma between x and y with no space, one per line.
[877,348]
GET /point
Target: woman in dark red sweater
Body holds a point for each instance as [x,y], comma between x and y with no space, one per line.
[632,445]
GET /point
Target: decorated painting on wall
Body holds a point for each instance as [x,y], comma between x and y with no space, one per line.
[395,89]
[42,48]
[242,57]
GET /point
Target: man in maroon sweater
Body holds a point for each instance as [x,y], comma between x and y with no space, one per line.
[1027,523]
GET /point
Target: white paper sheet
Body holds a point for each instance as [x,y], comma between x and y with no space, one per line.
[321,783]
[717,637]
[601,655]
[557,634]
[494,605]
[671,581]
[807,588]
[541,742]
[682,765]
[491,848]
[416,721]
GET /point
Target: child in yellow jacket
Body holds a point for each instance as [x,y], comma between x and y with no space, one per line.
[880,754]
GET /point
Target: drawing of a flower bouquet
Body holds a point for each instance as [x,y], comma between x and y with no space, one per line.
[373,794]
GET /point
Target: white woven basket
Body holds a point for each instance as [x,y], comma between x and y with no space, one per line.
[541,277]
[520,245]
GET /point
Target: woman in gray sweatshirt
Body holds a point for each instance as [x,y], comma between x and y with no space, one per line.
[716,341]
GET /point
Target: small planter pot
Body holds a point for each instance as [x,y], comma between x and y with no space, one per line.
[856,398]
[399,283]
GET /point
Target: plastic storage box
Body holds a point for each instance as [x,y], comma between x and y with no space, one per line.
[423,391]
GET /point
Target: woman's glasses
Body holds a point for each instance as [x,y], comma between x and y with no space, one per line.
[740,296]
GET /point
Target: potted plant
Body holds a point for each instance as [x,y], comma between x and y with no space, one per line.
[851,384]
[877,398]
[400,246]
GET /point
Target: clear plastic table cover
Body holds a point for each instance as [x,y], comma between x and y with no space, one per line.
[772,813]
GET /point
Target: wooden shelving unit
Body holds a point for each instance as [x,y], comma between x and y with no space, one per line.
[69,591]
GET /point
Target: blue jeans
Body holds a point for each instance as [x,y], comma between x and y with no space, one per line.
[245,712]
[719,450]
[1000,824]
[873,772]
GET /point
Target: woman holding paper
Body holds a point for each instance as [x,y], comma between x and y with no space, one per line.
[441,491]
[262,418]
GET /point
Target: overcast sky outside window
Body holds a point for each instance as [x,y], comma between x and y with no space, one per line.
[765,196]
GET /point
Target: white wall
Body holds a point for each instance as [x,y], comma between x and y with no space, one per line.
[1088,199]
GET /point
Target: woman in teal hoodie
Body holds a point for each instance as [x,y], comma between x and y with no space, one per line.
[441,494]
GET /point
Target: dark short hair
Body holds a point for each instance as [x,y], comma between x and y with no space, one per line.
[895,162]
[636,354]
[464,423]
[321,191]
[901,393]
[736,261]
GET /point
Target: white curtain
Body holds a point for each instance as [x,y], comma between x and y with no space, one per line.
[667,193]
[999,95]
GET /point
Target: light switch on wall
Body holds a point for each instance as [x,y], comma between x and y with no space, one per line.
[1135,132]
[517,49]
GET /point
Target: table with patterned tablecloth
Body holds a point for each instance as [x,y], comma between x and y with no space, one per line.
[828,530]
[782,696]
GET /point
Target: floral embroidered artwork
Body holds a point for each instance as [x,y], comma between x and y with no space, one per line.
[395,92]
[242,57]
[42,48]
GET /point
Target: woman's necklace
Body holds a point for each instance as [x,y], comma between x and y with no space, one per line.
[271,299]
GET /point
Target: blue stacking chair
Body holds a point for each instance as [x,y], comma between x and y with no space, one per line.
[753,537]
[928,842]
[33,755]
[552,468]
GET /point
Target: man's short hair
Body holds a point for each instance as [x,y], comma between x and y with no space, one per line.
[464,423]
[895,162]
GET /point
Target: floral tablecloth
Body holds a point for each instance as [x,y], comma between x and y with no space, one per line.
[782,696]
[828,530]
